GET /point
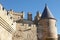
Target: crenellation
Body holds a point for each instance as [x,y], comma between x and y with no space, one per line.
[1,7]
[27,25]
[13,26]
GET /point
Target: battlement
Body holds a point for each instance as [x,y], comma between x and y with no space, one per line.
[27,25]
[18,15]
[1,7]
[27,29]
[21,26]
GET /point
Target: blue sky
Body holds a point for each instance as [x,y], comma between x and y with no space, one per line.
[34,6]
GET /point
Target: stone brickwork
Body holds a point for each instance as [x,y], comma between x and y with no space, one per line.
[25,32]
[13,26]
[6,29]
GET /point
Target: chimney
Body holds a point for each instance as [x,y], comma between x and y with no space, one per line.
[29,16]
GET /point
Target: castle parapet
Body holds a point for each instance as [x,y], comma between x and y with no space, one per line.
[27,27]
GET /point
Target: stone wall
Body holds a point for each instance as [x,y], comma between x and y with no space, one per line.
[25,32]
[4,34]
[6,27]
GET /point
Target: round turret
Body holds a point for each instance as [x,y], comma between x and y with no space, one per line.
[48,23]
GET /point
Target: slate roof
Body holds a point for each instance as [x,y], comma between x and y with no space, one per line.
[24,21]
[47,13]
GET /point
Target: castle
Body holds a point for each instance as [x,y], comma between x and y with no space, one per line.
[13,26]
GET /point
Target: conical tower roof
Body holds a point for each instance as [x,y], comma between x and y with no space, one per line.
[47,13]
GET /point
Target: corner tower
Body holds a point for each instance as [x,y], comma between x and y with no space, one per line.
[48,23]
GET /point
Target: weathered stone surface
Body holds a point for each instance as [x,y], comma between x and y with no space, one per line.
[14,27]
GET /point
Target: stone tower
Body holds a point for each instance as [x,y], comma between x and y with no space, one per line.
[29,16]
[13,26]
[48,23]
[37,17]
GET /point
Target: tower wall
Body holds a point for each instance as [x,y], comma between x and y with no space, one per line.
[49,30]
[44,29]
[52,30]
